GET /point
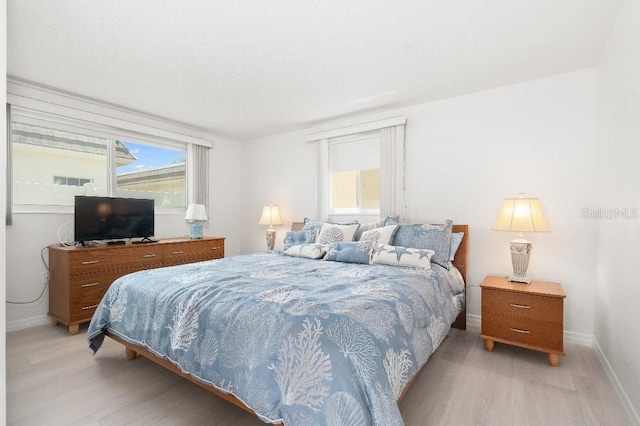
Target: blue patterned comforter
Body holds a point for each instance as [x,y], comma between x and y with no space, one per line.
[300,341]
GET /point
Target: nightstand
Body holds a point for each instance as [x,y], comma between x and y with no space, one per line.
[525,315]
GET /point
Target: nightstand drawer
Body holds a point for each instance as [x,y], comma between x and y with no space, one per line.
[537,334]
[537,308]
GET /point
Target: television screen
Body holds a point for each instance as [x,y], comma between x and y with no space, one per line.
[106,218]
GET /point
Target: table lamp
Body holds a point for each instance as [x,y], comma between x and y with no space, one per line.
[270,216]
[521,215]
[196,213]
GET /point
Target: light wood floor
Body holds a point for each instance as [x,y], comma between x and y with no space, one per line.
[52,379]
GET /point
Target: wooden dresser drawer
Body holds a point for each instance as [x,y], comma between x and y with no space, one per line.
[540,335]
[83,305]
[81,284]
[193,251]
[520,305]
[98,260]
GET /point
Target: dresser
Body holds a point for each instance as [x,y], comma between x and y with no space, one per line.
[80,276]
[525,315]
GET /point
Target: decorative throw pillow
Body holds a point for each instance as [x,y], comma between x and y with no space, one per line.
[402,256]
[293,238]
[431,237]
[456,239]
[350,252]
[311,229]
[377,224]
[333,233]
[310,251]
[391,220]
[382,235]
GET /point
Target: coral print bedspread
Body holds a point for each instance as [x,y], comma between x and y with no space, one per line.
[300,341]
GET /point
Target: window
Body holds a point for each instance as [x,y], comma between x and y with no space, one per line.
[156,172]
[360,169]
[52,164]
[354,174]
[71,181]
[356,189]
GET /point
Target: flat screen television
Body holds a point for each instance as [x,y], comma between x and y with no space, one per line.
[108,218]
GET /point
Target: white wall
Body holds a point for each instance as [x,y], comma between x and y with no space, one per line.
[464,155]
[32,232]
[617,312]
[278,170]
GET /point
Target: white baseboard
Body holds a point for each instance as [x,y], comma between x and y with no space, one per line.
[28,323]
[629,410]
[473,320]
[578,338]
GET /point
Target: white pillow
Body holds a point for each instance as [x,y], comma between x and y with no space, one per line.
[310,251]
[334,233]
[385,254]
[382,235]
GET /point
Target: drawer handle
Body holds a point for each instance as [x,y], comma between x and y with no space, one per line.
[90,262]
[149,255]
[515,305]
[85,308]
[517,330]
[215,248]
[177,252]
[90,284]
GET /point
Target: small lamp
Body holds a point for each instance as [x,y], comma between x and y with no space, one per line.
[521,215]
[270,216]
[196,213]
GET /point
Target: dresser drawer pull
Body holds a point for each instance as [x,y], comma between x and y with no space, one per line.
[215,248]
[86,308]
[90,284]
[149,255]
[177,252]
[517,330]
[90,262]
[515,305]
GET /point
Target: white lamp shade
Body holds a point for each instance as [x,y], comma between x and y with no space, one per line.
[196,212]
[521,215]
[270,216]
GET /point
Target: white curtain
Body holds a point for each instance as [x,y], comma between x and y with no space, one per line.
[392,171]
[200,175]
[322,168]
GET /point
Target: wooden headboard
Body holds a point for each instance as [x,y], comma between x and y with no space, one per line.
[459,261]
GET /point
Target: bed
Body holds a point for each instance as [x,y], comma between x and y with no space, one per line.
[291,339]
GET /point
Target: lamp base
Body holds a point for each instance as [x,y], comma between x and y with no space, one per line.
[270,235]
[195,232]
[520,252]
[524,280]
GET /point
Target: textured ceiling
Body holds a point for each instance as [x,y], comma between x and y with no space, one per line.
[246,69]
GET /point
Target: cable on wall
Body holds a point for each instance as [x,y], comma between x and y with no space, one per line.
[46,284]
